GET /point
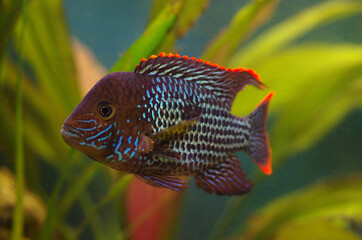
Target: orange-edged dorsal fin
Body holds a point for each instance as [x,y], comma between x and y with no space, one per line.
[224,82]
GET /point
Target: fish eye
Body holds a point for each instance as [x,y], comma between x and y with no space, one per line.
[106,110]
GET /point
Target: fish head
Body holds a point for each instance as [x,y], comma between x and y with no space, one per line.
[91,127]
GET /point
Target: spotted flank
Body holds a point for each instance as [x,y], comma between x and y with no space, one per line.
[169,118]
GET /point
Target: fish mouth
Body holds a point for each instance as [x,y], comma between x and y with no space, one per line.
[70,134]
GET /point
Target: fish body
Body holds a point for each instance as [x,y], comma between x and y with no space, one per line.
[171,117]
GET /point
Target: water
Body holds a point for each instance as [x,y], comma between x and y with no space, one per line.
[302,159]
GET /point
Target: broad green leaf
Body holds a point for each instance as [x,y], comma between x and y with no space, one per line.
[318,229]
[244,23]
[274,40]
[153,36]
[299,70]
[157,7]
[329,205]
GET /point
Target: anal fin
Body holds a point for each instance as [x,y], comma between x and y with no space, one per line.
[227,178]
[170,182]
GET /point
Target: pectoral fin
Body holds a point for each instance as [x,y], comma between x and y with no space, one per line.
[158,144]
[175,131]
[146,145]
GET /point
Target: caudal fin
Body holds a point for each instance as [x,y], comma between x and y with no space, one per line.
[259,148]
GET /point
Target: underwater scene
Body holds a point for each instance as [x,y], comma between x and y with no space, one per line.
[181,119]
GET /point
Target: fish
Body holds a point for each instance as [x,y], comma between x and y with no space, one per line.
[170,119]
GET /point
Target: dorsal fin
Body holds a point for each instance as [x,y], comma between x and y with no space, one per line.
[224,82]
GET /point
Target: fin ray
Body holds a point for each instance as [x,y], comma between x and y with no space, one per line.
[170,182]
[175,131]
[161,139]
[227,178]
[223,82]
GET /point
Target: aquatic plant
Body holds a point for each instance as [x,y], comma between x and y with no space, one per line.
[317,85]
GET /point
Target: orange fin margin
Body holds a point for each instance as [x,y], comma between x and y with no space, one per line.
[224,83]
[176,55]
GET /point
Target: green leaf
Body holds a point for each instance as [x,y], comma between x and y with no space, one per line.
[274,40]
[18,214]
[318,229]
[158,6]
[153,36]
[52,65]
[49,87]
[40,124]
[9,12]
[244,23]
[332,205]
[189,13]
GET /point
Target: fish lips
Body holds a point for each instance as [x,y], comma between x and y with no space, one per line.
[70,135]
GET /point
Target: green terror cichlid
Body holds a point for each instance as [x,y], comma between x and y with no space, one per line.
[171,117]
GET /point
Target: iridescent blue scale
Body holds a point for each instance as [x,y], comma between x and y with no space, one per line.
[169,112]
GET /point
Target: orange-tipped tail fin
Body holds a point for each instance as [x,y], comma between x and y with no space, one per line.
[259,148]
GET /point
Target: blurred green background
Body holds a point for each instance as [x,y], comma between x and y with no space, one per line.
[308,52]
